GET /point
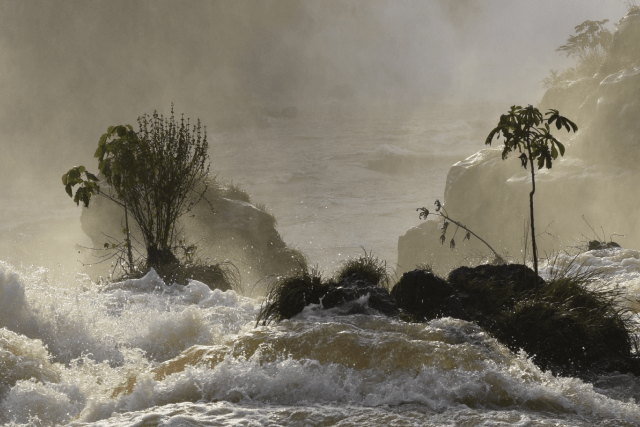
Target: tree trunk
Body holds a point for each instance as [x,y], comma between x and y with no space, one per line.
[129,253]
[534,247]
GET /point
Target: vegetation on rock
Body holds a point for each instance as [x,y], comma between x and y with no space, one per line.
[152,174]
[572,326]
[589,46]
[289,295]
[357,277]
[373,269]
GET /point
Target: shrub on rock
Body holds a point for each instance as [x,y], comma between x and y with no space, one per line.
[370,267]
[570,327]
[289,295]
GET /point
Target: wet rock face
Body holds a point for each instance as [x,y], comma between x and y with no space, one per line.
[355,287]
[221,229]
[626,40]
[594,179]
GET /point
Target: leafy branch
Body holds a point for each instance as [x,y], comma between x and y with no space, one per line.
[442,212]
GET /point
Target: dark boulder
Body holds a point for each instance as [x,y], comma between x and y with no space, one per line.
[518,277]
[426,296]
[355,287]
[487,290]
[595,245]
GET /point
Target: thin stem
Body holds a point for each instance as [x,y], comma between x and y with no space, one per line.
[129,254]
[445,216]
[534,247]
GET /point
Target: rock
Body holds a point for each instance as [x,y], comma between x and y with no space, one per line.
[594,179]
[426,296]
[626,41]
[596,245]
[487,290]
[355,287]
[222,229]
[516,277]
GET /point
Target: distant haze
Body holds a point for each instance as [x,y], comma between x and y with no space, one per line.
[69,69]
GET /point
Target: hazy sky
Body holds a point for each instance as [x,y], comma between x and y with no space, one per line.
[70,69]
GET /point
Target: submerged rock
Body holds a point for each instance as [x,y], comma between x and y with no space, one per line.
[355,287]
[596,244]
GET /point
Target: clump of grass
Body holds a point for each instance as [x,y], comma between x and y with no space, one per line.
[227,190]
[373,269]
[289,295]
[222,275]
[424,267]
[235,192]
[571,326]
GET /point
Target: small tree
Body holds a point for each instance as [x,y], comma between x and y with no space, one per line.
[526,130]
[152,174]
[589,45]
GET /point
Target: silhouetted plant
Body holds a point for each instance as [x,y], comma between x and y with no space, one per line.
[526,130]
[589,45]
[373,269]
[446,220]
[289,295]
[574,324]
[152,174]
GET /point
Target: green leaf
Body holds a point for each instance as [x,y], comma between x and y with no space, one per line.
[91,176]
[523,160]
[99,152]
[68,190]
[492,135]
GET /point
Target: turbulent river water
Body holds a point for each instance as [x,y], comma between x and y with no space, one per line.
[146,353]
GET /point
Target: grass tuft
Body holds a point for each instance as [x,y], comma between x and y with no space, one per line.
[373,269]
[288,295]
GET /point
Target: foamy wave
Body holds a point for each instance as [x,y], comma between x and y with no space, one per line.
[464,367]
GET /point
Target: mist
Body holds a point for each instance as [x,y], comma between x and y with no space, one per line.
[70,69]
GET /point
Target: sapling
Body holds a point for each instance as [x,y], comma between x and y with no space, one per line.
[526,130]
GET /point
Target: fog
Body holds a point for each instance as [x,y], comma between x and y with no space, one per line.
[69,69]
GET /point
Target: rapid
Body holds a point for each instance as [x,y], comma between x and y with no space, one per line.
[75,351]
